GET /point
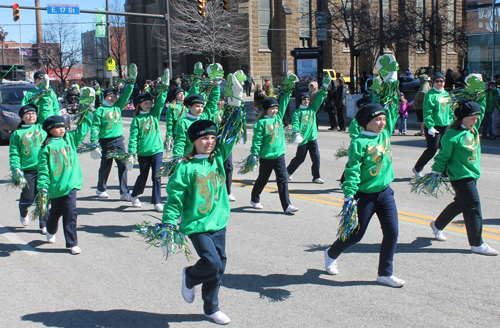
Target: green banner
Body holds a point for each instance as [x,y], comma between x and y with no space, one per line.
[100,24]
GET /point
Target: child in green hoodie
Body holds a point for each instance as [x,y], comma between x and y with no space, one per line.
[59,171]
[24,146]
[460,156]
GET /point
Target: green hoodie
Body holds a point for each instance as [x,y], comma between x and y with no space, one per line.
[59,169]
[107,122]
[369,168]
[268,140]
[460,152]
[437,109]
[304,119]
[53,103]
[197,192]
[145,138]
[25,142]
[182,145]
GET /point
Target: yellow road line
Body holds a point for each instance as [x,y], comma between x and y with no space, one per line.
[337,202]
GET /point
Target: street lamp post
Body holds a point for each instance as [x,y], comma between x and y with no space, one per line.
[3,34]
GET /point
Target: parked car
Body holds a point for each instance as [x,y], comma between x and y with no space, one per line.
[408,84]
[11,97]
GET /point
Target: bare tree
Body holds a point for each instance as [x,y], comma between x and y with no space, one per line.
[118,46]
[218,33]
[61,49]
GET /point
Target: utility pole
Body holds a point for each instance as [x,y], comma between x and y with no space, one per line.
[167,26]
[108,30]
[3,34]
[381,31]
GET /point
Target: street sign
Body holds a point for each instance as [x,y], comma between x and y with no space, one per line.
[63,9]
[110,64]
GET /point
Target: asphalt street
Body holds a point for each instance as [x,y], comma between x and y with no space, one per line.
[275,274]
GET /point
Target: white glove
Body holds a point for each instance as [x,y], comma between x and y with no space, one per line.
[432,132]
[165,79]
[132,71]
[298,139]
[96,153]
[236,91]
[130,163]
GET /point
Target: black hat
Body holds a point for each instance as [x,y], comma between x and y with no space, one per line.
[27,108]
[201,128]
[269,102]
[54,121]
[176,90]
[304,95]
[439,75]
[194,99]
[467,109]
[108,91]
[366,113]
[143,97]
[38,75]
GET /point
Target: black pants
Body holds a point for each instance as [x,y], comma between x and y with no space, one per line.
[337,121]
[383,204]
[106,164]
[266,166]
[65,206]
[433,144]
[228,168]
[211,248]
[248,88]
[28,194]
[146,162]
[300,156]
[466,202]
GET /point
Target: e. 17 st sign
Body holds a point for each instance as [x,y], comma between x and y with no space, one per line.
[63,9]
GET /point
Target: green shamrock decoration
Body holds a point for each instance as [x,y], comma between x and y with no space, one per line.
[165,78]
[44,84]
[132,71]
[228,89]
[377,85]
[198,69]
[88,96]
[240,76]
[387,66]
[216,72]
[474,85]
[290,81]
[326,80]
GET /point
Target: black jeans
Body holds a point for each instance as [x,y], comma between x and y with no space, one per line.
[433,144]
[106,164]
[28,194]
[146,162]
[466,202]
[300,156]
[383,204]
[211,248]
[266,166]
[65,206]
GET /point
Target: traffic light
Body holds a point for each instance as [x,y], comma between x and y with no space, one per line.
[226,5]
[201,7]
[15,12]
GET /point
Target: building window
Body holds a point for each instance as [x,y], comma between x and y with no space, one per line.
[264,23]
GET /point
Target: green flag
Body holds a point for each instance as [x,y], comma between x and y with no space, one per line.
[100,24]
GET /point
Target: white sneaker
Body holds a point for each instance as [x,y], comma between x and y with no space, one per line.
[219,317]
[126,197]
[75,250]
[231,197]
[484,249]
[51,239]
[289,177]
[24,221]
[159,207]
[437,233]
[101,194]
[330,264]
[187,293]
[417,174]
[44,231]
[291,209]
[390,281]
[136,202]
[257,205]
[319,180]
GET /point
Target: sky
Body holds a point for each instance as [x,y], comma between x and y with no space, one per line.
[84,22]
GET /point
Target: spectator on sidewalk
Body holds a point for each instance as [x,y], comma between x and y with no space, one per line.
[418,102]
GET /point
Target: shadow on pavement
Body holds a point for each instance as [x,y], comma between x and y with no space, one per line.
[265,286]
[107,231]
[110,318]
[250,209]
[8,249]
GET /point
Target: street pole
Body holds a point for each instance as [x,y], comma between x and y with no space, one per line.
[493,40]
[167,26]
[108,29]
[21,39]
[3,35]
[381,31]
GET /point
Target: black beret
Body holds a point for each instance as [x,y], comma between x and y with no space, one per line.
[467,109]
[144,96]
[304,95]
[194,99]
[269,102]
[108,91]
[54,121]
[439,75]
[38,75]
[201,128]
[367,112]
[176,90]
[27,108]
